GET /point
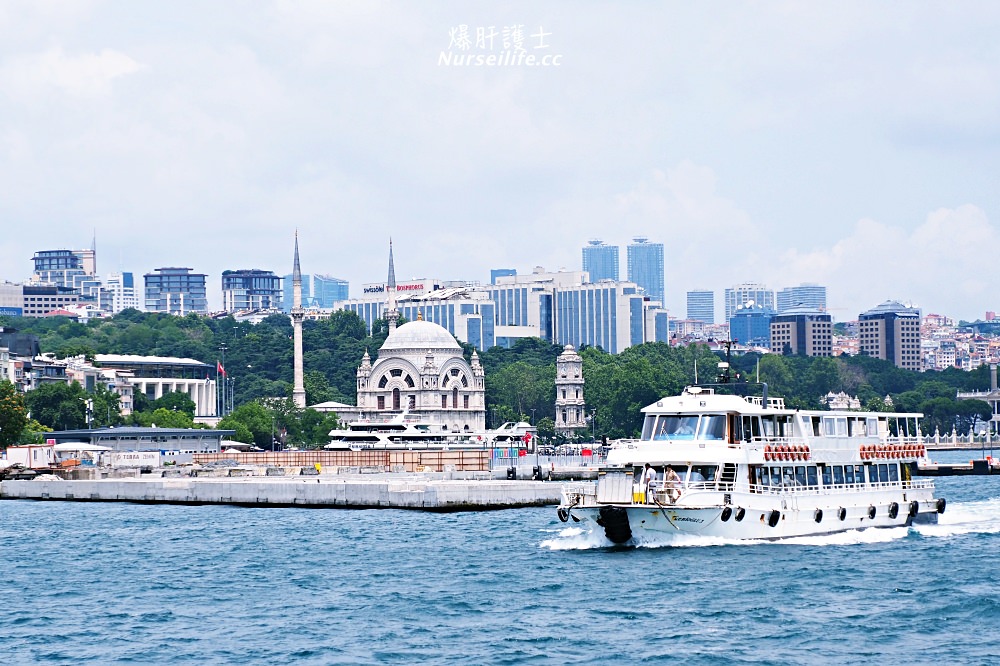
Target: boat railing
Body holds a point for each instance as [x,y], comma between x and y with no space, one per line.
[580,490]
[797,489]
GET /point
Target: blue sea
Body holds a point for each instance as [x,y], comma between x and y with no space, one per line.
[145,584]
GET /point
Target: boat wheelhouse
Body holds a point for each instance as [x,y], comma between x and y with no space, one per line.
[749,468]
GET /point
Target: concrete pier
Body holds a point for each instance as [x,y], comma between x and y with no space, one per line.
[376,491]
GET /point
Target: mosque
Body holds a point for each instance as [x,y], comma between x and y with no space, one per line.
[421,371]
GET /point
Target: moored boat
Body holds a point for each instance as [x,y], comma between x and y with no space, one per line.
[749,468]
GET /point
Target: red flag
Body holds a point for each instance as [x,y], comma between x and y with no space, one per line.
[220,369]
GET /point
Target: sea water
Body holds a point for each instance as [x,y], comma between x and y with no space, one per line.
[110,583]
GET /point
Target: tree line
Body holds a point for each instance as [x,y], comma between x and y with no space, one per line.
[520,381]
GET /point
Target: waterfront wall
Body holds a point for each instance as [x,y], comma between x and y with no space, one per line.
[408,461]
[393,492]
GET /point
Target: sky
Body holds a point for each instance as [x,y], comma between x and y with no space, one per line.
[849,144]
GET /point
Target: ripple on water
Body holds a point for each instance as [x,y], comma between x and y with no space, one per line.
[202,585]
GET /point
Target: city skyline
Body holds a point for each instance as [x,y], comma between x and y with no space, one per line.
[847,146]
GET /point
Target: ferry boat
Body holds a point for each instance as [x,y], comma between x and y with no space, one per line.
[749,468]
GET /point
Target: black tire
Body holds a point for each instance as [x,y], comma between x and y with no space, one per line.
[818,515]
[941,504]
[772,520]
[914,508]
[616,525]
[871,512]
[842,513]
[726,514]
[893,510]
[740,512]
[563,515]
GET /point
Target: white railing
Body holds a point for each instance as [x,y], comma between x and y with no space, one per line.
[547,462]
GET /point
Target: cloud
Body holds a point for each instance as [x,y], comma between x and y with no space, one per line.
[943,265]
[86,74]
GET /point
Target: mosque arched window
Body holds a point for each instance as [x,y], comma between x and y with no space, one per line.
[395,398]
[382,382]
[396,372]
[465,381]
[454,397]
[409,381]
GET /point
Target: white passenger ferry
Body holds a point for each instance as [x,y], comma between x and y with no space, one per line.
[748,468]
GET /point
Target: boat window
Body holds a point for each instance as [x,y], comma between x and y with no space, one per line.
[849,474]
[827,478]
[859,475]
[893,472]
[787,476]
[713,426]
[751,427]
[815,424]
[703,473]
[768,424]
[811,476]
[883,473]
[647,427]
[838,475]
[676,427]
[737,426]
[872,427]
[775,477]
[763,477]
[800,475]
[873,474]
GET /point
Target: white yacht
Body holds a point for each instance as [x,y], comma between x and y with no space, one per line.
[749,468]
[404,432]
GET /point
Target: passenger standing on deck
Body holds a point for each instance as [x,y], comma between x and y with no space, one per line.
[648,476]
[673,482]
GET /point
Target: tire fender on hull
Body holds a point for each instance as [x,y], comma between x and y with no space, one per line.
[614,520]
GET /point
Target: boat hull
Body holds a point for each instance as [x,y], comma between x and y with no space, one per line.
[768,520]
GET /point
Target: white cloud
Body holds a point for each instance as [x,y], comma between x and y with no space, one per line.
[87,74]
[944,265]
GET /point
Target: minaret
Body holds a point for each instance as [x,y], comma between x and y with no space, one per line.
[391,313]
[299,390]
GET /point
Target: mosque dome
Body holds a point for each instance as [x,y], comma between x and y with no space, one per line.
[420,335]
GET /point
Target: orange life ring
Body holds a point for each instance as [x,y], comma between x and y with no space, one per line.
[767,452]
[807,452]
[864,453]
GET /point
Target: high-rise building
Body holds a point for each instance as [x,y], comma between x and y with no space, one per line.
[250,289]
[318,291]
[175,290]
[501,272]
[746,294]
[751,325]
[811,296]
[701,305]
[73,269]
[609,315]
[327,290]
[803,331]
[645,267]
[600,261]
[891,331]
[118,293]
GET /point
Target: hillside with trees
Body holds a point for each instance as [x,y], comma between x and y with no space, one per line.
[519,380]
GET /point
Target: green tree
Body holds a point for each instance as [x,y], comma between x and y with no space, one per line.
[13,414]
[165,418]
[175,400]
[59,406]
[257,421]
